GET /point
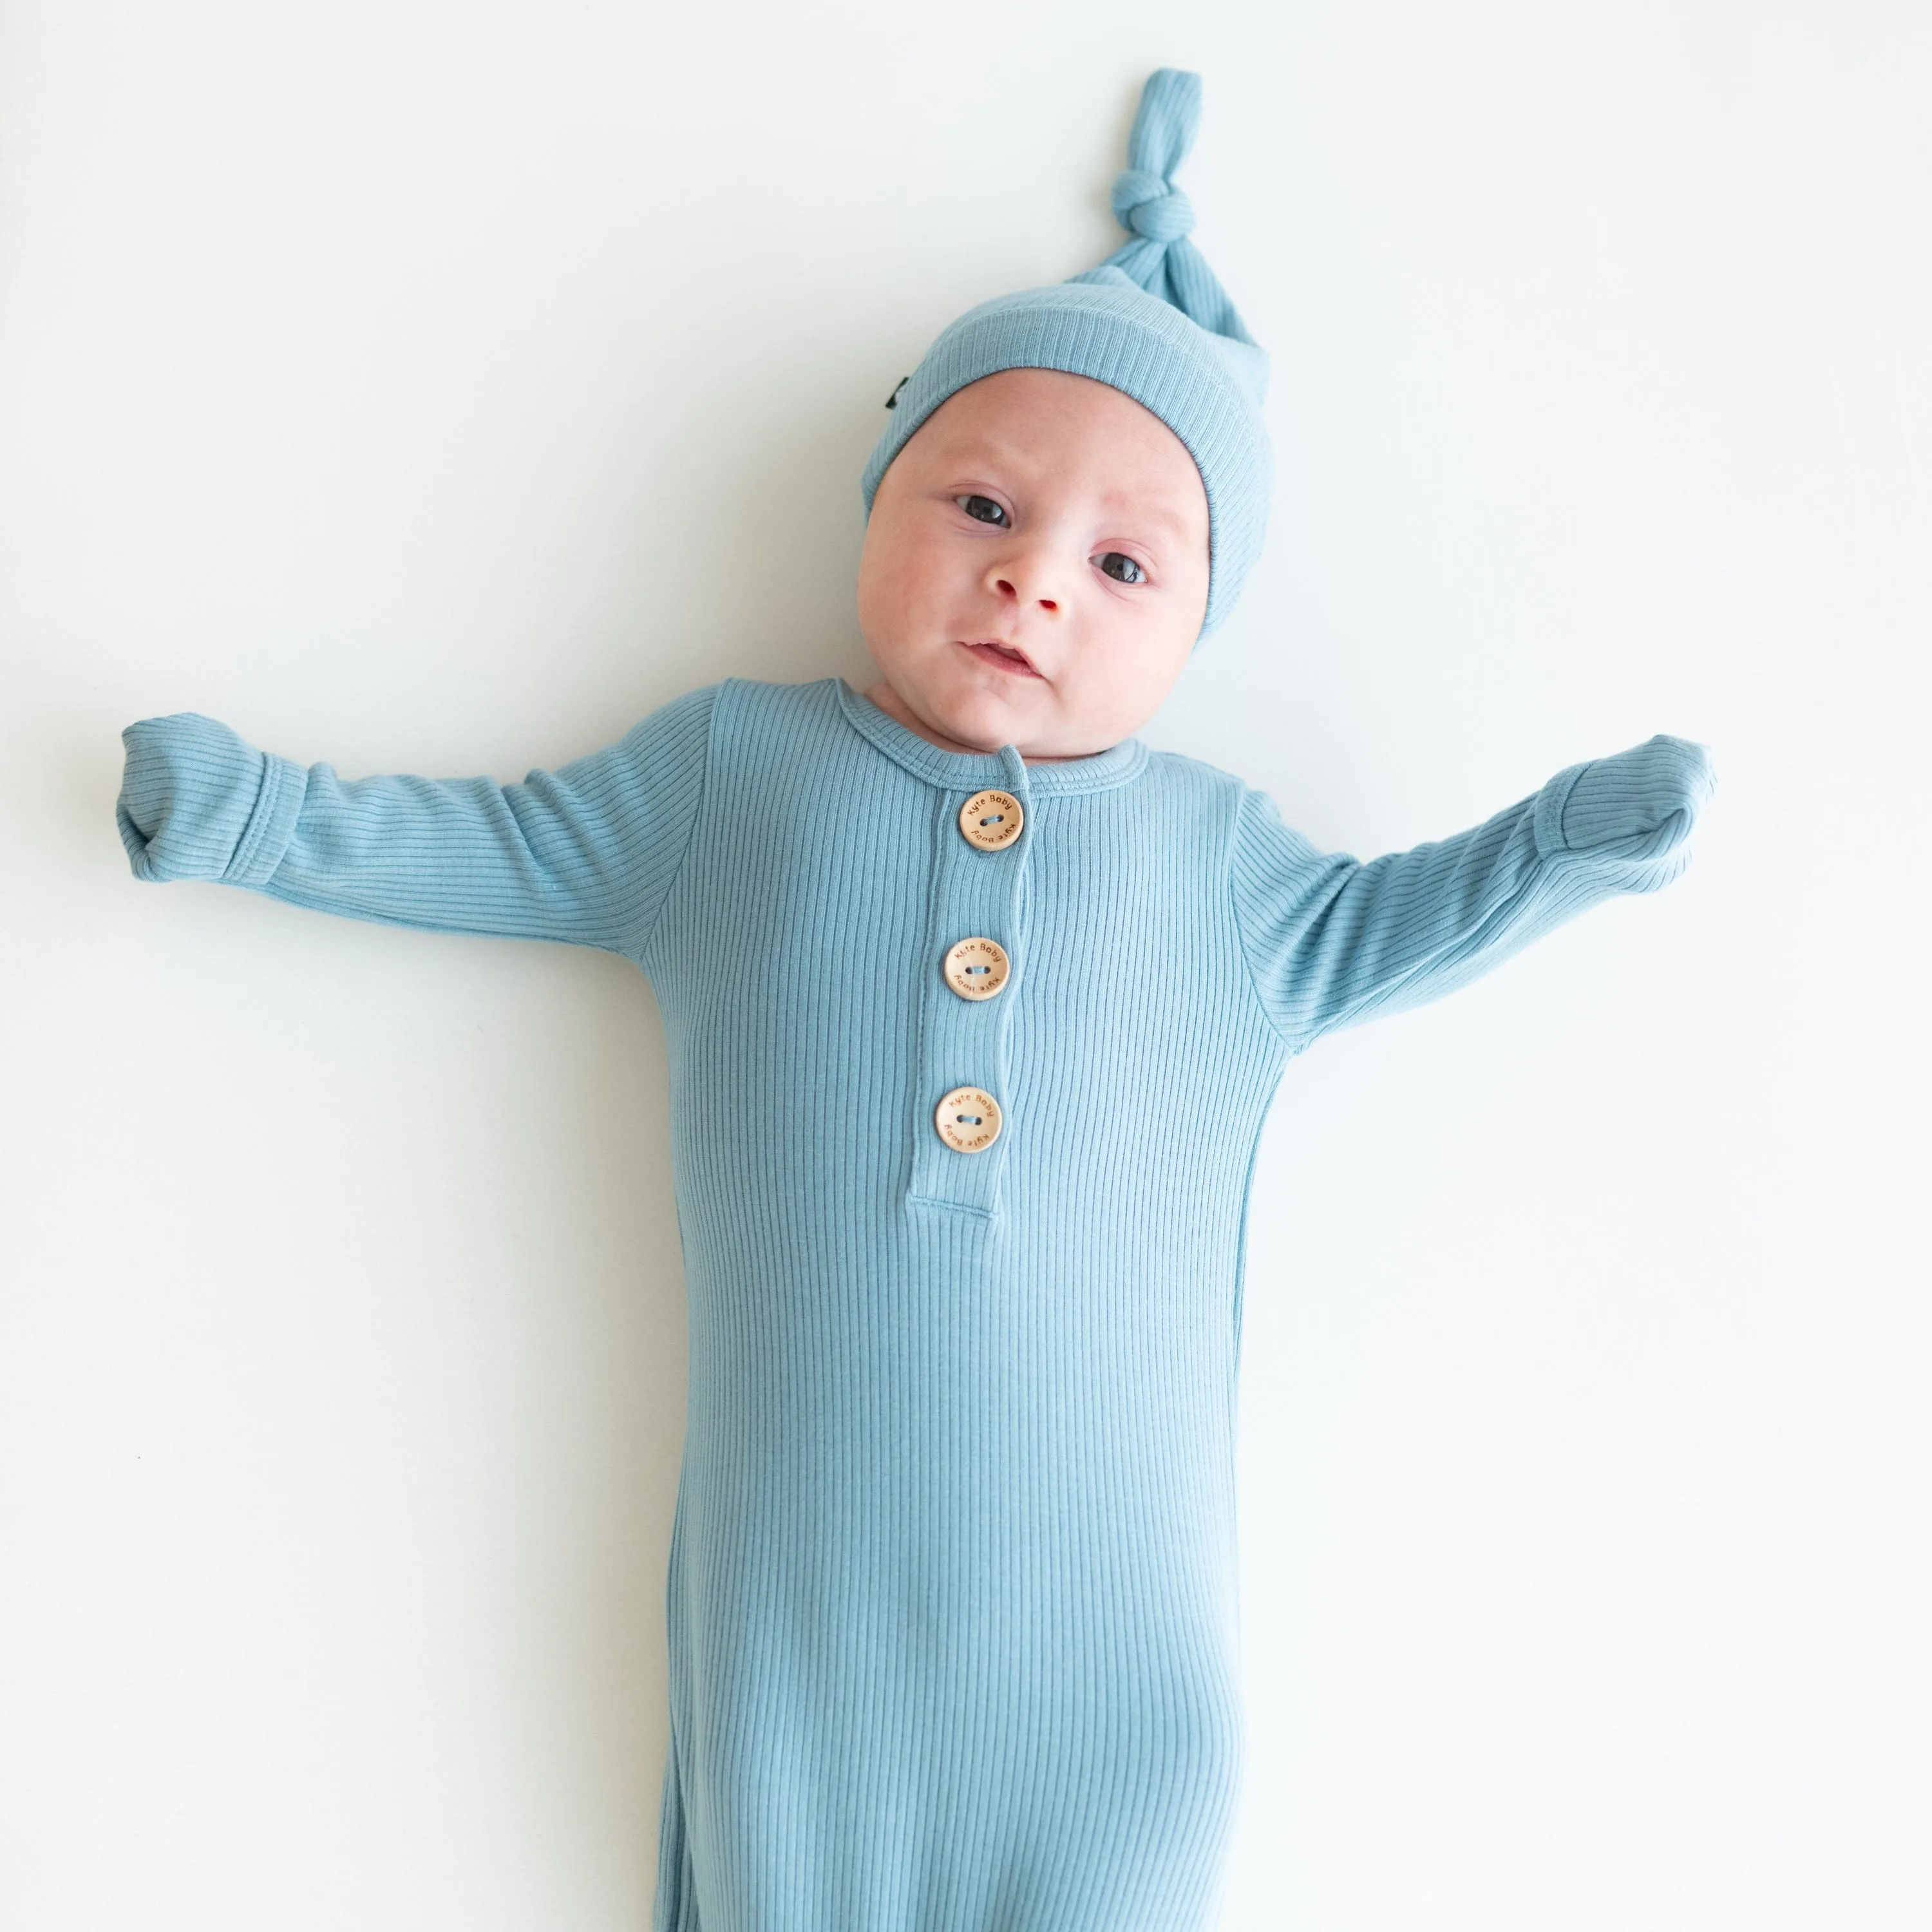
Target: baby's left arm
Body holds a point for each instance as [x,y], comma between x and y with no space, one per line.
[1330,941]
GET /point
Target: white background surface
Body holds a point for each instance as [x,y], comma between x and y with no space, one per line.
[438,388]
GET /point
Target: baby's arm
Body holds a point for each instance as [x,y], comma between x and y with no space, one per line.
[1330,941]
[586,853]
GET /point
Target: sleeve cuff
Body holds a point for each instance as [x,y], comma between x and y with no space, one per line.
[1548,816]
[271,825]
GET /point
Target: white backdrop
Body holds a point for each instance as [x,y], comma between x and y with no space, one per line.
[438,387]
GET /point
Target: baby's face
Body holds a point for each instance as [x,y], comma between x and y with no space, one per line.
[1036,567]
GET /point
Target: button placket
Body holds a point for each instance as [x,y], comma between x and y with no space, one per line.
[976,911]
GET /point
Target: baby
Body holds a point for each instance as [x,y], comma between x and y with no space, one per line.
[975,1007]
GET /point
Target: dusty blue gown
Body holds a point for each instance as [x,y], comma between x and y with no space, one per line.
[952,1593]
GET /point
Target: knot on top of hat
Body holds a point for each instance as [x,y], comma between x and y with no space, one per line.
[1151,205]
[1158,256]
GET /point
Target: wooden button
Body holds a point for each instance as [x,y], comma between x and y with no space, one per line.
[991,819]
[975,969]
[967,1120]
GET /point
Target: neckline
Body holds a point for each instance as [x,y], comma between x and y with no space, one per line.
[974,771]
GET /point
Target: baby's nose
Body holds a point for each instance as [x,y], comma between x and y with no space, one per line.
[1027,580]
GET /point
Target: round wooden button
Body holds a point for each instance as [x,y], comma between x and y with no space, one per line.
[968,1121]
[991,819]
[975,969]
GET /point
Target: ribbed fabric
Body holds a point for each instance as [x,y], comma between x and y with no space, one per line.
[952,1594]
[1151,321]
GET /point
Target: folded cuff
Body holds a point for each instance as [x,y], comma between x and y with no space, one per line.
[1548,818]
[271,825]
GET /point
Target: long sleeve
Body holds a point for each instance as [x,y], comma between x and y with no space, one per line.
[1330,941]
[586,854]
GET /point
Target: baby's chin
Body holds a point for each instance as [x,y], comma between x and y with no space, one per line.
[983,707]
[986,716]
[1035,720]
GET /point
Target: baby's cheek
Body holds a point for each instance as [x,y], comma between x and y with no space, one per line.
[892,629]
[1084,698]
[907,591]
[1123,690]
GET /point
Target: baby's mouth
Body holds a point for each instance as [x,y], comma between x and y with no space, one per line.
[1005,656]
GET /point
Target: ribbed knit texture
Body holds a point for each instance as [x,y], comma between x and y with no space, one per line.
[952,1592]
[1151,321]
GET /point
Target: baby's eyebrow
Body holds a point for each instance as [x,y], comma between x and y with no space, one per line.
[1140,513]
[991,457]
[1138,510]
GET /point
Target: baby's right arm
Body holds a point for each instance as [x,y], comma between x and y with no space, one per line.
[585,854]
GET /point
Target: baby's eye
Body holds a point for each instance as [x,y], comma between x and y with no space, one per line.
[982,509]
[1118,565]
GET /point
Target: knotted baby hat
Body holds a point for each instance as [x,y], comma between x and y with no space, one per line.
[1151,321]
